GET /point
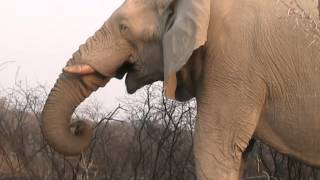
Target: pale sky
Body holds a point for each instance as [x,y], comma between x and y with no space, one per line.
[41,35]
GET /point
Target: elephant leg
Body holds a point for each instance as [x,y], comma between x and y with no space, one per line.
[227,119]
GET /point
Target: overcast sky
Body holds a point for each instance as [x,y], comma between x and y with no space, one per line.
[41,35]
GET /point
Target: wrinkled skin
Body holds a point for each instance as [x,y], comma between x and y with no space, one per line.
[257,75]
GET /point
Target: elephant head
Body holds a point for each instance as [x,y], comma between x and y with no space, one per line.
[149,40]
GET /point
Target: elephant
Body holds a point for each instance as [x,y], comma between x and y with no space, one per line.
[253,67]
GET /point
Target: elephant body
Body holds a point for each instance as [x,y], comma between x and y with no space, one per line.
[274,61]
[255,75]
[262,80]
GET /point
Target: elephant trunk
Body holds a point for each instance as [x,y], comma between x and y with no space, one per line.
[107,55]
[68,92]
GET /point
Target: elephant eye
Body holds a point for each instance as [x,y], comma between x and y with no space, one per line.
[123,28]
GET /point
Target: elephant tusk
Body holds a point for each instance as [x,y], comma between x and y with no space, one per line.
[81,69]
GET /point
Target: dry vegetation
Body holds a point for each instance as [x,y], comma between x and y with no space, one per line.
[146,138]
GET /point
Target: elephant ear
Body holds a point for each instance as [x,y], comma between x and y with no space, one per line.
[187,33]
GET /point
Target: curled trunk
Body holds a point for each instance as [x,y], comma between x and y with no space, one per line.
[68,92]
[107,55]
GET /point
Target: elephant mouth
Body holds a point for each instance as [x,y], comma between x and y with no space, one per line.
[136,77]
[131,71]
[132,81]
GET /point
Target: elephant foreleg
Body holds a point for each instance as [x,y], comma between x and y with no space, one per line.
[226,122]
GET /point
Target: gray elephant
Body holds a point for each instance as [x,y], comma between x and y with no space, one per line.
[253,66]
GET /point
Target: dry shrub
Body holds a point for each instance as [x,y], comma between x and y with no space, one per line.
[147,137]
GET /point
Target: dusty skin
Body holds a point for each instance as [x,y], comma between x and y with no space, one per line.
[253,66]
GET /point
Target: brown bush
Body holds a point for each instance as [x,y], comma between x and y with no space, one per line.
[147,137]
